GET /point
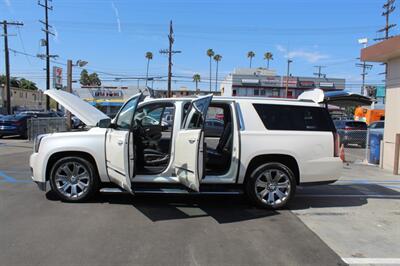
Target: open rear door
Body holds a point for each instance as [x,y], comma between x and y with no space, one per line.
[189,144]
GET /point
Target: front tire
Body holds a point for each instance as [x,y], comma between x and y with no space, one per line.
[271,185]
[73,179]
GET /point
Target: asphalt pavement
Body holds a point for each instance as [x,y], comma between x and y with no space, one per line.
[119,229]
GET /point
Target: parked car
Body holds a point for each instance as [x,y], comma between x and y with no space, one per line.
[352,132]
[267,148]
[377,127]
[214,127]
[17,124]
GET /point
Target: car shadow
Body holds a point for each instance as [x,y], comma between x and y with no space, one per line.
[236,208]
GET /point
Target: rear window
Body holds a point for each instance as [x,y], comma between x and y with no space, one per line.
[356,124]
[302,118]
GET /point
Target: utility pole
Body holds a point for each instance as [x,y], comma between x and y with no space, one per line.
[7,84]
[388,9]
[319,74]
[364,67]
[170,52]
[46,42]
[287,77]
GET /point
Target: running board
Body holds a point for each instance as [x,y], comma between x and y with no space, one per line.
[171,191]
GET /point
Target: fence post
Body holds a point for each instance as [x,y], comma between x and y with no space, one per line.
[396,155]
[366,147]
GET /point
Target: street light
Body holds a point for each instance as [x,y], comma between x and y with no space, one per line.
[79,63]
[287,77]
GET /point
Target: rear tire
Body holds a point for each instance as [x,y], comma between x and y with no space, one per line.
[271,185]
[74,179]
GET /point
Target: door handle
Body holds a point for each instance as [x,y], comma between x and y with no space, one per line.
[120,142]
[191,141]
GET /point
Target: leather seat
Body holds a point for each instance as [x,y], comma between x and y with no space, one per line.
[154,157]
[219,158]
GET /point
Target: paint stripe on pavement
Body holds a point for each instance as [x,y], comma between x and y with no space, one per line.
[366,261]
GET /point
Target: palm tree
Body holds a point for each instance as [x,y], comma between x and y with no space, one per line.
[268,56]
[250,55]
[217,58]
[196,79]
[149,56]
[210,54]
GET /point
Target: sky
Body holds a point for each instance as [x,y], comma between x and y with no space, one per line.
[113,37]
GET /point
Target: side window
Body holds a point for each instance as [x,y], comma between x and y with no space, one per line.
[301,118]
[125,115]
[158,114]
[214,125]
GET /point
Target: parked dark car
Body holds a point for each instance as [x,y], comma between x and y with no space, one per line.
[17,124]
[214,127]
[352,132]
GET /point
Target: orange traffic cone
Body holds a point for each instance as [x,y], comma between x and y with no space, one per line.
[341,153]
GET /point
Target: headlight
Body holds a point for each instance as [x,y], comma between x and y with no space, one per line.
[36,143]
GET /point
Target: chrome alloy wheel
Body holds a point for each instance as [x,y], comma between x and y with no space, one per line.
[273,187]
[72,179]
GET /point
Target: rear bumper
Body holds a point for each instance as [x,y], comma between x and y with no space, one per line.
[321,171]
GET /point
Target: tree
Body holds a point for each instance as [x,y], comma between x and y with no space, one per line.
[149,56]
[84,80]
[250,55]
[268,56]
[89,80]
[94,79]
[13,81]
[217,58]
[27,84]
[210,54]
[196,79]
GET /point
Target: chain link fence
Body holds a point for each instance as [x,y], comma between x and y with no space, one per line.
[361,146]
[37,126]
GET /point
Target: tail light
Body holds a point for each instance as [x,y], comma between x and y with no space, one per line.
[336,144]
[17,123]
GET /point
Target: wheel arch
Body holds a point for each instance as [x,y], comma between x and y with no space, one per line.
[285,159]
[58,155]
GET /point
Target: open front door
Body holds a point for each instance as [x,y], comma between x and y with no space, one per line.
[189,144]
[120,146]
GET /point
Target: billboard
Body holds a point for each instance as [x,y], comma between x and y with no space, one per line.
[57,77]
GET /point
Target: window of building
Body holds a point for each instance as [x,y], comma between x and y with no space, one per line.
[234,92]
[242,92]
[302,118]
[256,92]
[21,94]
[275,92]
[262,92]
[34,97]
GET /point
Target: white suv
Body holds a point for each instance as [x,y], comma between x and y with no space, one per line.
[263,147]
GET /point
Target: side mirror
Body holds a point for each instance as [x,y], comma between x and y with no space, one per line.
[104,123]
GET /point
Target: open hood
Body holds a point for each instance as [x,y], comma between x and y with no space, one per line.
[81,109]
[337,98]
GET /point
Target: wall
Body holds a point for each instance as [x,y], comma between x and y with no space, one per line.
[392,112]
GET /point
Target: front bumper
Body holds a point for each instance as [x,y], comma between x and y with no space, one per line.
[38,173]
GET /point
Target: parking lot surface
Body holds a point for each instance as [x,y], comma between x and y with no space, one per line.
[354,220]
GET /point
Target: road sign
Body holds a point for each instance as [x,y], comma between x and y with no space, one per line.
[57,77]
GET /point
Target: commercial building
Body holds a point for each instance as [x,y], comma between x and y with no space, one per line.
[388,51]
[22,100]
[260,82]
[183,92]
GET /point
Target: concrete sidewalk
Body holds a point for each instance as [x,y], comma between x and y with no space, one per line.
[358,216]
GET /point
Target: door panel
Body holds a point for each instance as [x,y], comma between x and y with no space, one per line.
[117,144]
[186,159]
[189,144]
